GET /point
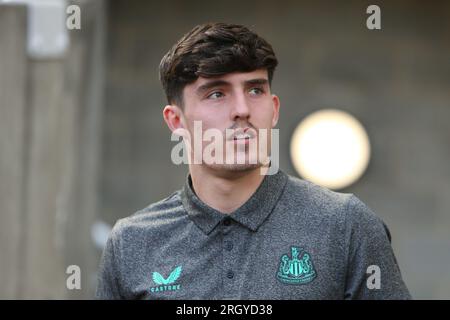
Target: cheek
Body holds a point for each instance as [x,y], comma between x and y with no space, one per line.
[263,116]
[214,118]
[208,120]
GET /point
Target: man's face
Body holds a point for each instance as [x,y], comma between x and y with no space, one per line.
[239,101]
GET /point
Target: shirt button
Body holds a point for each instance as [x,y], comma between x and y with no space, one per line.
[228,246]
[227,221]
[230,274]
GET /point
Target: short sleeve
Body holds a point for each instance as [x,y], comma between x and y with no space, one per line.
[108,273]
[372,269]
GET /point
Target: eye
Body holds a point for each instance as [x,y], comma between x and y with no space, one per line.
[215,95]
[256,91]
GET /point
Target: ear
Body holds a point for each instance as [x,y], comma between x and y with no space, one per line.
[173,116]
[276,110]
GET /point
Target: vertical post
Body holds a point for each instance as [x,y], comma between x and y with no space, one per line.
[50,125]
[13,125]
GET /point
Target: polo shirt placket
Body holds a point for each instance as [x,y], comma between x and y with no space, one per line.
[229,267]
[228,231]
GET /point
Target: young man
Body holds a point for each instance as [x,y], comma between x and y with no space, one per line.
[233,232]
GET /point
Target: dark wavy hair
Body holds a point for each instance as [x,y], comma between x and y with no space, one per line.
[213,49]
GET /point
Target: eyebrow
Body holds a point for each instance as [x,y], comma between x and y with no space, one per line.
[217,83]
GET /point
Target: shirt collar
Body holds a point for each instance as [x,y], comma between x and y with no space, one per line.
[251,214]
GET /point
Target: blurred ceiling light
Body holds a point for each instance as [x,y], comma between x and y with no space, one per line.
[47,32]
[330,148]
[99,233]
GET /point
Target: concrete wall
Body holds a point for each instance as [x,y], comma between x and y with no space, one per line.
[396,81]
[12,136]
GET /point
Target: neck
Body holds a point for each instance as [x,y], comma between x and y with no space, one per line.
[224,192]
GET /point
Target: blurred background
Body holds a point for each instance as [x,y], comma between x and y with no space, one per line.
[83,142]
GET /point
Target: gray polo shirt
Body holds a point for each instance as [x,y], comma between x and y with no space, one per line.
[291,240]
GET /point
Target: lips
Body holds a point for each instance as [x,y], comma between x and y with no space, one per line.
[243,134]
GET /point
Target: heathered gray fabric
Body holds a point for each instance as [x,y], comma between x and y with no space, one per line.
[339,233]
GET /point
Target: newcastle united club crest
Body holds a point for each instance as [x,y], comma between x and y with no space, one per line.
[298,269]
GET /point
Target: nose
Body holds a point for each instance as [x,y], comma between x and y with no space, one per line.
[240,108]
